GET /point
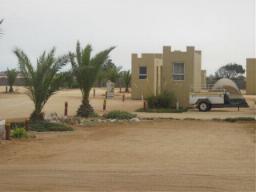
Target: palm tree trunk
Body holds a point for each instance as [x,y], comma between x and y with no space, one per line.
[37,114]
[85,109]
[127,89]
[11,89]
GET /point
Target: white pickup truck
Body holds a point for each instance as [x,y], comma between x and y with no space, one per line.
[204,101]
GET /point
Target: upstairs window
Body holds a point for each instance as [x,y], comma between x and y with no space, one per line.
[143,73]
[178,71]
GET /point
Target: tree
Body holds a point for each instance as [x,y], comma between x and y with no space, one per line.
[230,71]
[43,80]
[1,21]
[11,77]
[85,69]
[109,71]
[126,76]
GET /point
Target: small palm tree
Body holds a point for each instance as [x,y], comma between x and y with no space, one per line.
[1,21]
[127,80]
[85,69]
[43,80]
[11,77]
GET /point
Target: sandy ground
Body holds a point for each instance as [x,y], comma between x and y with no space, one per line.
[162,155]
[20,106]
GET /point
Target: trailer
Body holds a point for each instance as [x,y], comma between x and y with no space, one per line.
[205,101]
[224,93]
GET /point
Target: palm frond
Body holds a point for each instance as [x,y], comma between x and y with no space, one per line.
[44,80]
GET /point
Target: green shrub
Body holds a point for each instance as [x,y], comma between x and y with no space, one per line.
[43,126]
[19,133]
[164,100]
[119,115]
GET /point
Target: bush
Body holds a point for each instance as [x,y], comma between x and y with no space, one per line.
[19,133]
[119,115]
[43,126]
[164,100]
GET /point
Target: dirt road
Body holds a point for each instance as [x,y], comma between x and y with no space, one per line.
[166,155]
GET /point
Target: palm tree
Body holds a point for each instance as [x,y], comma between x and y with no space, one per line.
[43,80]
[1,21]
[127,80]
[11,77]
[85,69]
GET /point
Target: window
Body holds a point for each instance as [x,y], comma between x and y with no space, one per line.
[143,73]
[178,71]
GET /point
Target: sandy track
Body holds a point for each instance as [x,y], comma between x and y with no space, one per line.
[20,106]
[164,155]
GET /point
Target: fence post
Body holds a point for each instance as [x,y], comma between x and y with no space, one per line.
[66,109]
[94,92]
[144,105]
[26,124]
[104,105]
[123,97]
[7,131]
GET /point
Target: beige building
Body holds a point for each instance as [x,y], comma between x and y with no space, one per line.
[172,71]
[203,79]
[251,76]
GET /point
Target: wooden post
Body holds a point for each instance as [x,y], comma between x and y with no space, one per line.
[26,124]
[123,97]
[104,105]
[66,109]
[144,105]
[238,108]
[94,92]
[7,131]
[106,95]
[6,89]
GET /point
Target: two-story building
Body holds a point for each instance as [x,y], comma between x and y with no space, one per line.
[171,71]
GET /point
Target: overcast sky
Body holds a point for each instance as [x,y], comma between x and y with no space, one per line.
[223,29]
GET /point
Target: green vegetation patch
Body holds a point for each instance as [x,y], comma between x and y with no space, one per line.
[19,133]
[119,115]
[44,126]
[164,100]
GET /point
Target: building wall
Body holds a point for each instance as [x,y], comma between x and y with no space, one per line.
[203,79]
[160,74]
[251,76]
[192,79]
[144,87]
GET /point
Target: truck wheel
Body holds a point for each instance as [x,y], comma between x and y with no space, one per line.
[204,106]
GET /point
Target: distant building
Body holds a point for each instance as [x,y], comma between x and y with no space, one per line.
[251,76]
[3,79]
[174,71]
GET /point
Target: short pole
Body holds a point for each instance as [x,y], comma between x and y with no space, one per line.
[6,89]
[238,108]
[94,92]
[26,124]
[66,109]
[106,95]
[104,105]
[123,97]
[144,105]
[7,131]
